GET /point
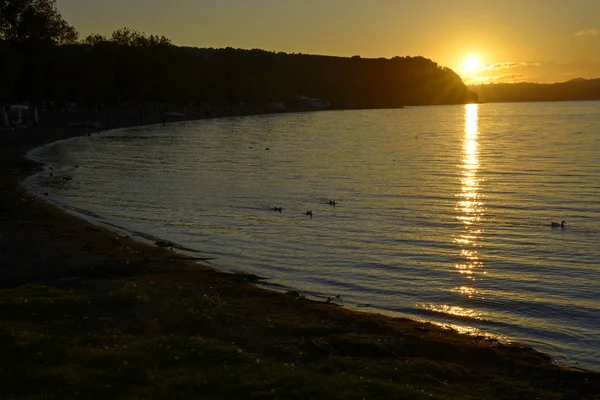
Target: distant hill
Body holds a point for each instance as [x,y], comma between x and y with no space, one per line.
[42,60]
[130,67]
[575,89]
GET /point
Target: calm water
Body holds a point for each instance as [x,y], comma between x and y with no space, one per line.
[442,213]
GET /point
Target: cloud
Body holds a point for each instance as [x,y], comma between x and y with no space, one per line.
[505,72]
[504,78]
[588,32]
[538,72]
[508,78]
[512,64]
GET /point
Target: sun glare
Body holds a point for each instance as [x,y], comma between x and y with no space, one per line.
[471,64]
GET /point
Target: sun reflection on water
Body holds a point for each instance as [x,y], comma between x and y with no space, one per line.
[469,211]
[469,206]
[456,311]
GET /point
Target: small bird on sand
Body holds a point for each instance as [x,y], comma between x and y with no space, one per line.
[332,202]
[280,209]
[309,213]
[557,225]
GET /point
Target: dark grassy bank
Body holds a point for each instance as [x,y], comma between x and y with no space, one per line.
[85,313]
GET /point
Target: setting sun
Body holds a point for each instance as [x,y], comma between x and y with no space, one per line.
[471,64]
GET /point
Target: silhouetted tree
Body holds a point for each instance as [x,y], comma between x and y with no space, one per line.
[130,66]
[576,89]
[9,69]
[94,39]
[37,20]
[131,37]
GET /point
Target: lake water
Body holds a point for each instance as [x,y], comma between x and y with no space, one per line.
[442,213]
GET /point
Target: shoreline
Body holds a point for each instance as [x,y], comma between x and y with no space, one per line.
[42,245]
[264,282]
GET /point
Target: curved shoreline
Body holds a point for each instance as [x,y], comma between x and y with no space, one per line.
[148,239]
[43,245]
[88,216]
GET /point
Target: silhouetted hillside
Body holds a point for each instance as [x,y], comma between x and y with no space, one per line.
[108,71]
[42,60]
[575,89]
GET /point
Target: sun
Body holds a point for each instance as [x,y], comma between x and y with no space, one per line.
[472,64]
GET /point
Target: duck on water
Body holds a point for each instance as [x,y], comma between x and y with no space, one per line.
[557,225]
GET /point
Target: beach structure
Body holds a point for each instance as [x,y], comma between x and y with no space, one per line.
[312,102]
[174,114]
[277,106]
[17,111]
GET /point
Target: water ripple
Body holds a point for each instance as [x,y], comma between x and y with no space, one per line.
[441,213]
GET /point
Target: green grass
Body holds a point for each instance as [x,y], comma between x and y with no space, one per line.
[203,307]
[128,294]
[138,340]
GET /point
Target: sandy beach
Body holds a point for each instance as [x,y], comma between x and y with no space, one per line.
[86,313]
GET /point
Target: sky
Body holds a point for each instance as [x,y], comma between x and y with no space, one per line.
[505,40]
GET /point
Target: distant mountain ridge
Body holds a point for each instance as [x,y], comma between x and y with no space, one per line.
[572,90]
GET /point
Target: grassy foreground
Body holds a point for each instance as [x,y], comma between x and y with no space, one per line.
[157,335]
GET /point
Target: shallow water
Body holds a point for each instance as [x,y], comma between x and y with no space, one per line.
[442,213]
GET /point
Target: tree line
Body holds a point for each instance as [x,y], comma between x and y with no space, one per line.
[576,89]
[43,59]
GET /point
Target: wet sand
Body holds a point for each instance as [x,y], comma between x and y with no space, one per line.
[42,245]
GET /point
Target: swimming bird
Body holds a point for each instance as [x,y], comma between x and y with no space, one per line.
[557,225]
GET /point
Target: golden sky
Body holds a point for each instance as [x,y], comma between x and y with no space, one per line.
[513,40]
